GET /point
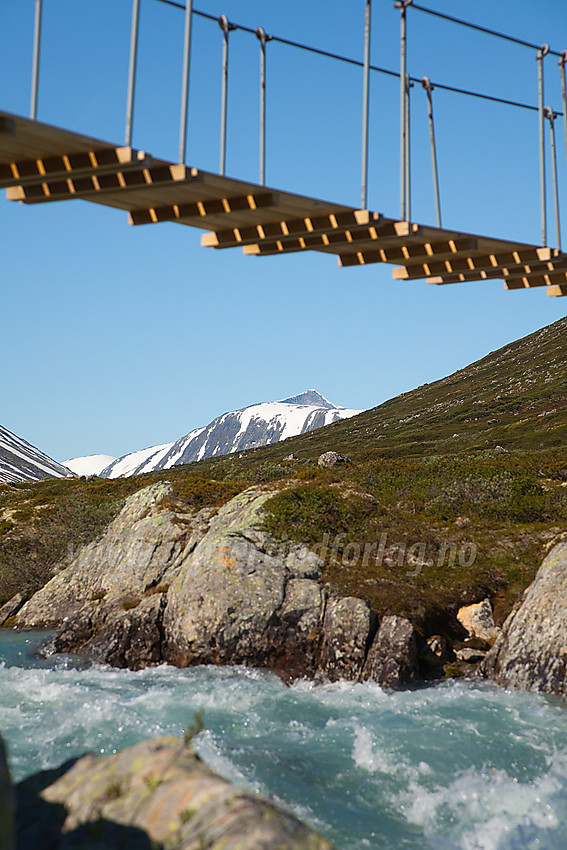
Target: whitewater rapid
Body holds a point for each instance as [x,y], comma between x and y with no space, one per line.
[457,766]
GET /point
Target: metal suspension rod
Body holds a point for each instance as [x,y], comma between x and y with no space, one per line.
[263,38]
[408,149]
[132,71]
[540,54]
[185,82]
[365,104]
[402,6]
[551,116]
[36,55]
[561,64]
[226,27]
[429,88]
[358,63]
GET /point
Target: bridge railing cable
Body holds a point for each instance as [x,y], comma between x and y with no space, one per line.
[406,82]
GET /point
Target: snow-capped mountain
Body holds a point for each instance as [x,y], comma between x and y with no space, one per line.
[256,425]
[20,461]
[89,465]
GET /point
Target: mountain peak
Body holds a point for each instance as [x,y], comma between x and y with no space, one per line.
[310,397]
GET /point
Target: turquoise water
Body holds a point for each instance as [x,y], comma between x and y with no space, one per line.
[458,766]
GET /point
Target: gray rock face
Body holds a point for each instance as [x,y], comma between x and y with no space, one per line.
[237,598]
[531,651]
[392,660]
[213,589]
[155,794]
[6,803]
[349,628]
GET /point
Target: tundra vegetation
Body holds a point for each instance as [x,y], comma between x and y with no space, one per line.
[454,491]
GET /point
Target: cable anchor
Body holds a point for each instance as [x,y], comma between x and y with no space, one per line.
[226,25]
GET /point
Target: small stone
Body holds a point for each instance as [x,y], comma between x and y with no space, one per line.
[437,644]
[501,450]
[470,655]
[290,457]
[462,521]
[328,459]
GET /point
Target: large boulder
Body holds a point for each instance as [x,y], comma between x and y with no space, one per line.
[531,651]
[155,794]
[349,628]
[109,602]
[236,597]
[392,660]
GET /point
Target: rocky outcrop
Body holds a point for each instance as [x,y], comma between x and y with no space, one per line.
[156,794]
[214,589]
[6,803]
[531,651]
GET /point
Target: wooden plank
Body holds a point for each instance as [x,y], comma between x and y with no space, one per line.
[7,124]
[391,232]
[412,253]
[84,187]
[36,171]
[557,290]
[35,140]
[527,281]
[479,268]
[186,213]
[280,230]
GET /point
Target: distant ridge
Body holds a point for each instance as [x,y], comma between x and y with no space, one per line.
[20,461]
[256,425]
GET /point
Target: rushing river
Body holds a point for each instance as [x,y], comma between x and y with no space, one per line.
[458,765]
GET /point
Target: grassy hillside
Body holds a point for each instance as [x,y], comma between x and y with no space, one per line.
[453,491]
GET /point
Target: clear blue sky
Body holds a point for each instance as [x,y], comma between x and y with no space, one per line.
[114,338]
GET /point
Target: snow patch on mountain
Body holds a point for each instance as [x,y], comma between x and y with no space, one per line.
[256,425]
[20,461]
[89,464]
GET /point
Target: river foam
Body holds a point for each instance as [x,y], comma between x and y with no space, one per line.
[458,766]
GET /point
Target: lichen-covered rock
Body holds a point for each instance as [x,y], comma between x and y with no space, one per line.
[328,459]
[392,658]
[478,621]
[349,627]
[6,803]
[141,544]
[155,794]
[531,651]
[234,599]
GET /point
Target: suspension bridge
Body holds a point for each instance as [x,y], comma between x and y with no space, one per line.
[41,163]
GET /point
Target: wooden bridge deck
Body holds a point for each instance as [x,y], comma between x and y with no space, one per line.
[40,163]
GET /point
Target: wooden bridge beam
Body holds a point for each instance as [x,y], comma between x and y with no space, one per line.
[188,212]
[34,172]
[294,228]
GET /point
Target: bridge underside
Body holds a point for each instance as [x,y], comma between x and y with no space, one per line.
[40,163]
